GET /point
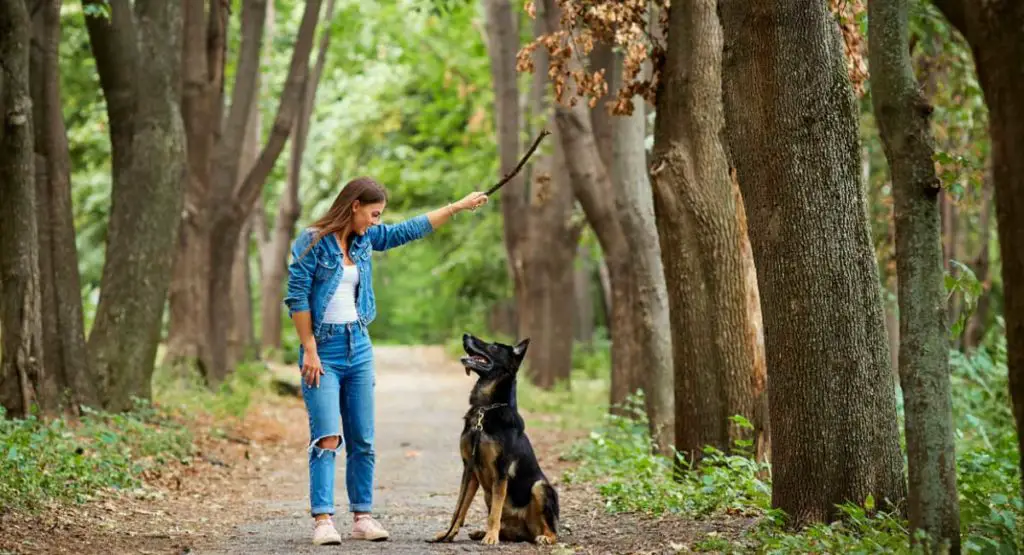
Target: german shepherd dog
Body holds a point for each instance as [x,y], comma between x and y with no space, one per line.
[497,456]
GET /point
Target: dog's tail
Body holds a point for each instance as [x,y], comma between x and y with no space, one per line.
[551,507]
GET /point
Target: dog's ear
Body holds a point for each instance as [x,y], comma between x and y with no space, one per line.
[520,349]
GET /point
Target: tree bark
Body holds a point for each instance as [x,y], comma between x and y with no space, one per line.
[202,100]
[993,31]
[698,227]
[289,207]
[583,279]
[139,71]
[649,304]
[792,131]
[233,198]
[903,119]
[21,371]
[64,356]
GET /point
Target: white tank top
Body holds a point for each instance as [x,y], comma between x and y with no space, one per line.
[342,307]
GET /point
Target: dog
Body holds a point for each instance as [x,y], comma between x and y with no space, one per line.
[497,457]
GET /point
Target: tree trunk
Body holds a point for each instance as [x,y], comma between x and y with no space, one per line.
[698,227]
[540,235]
[233,198]
[648,303]
[64,356]
[583,321]
[502,46]
[903,118]
[792,130]
[139,69]
[289,207]
[976,326]
[993,31]
[755,330]
[202,100]
[242,341]
[21,370]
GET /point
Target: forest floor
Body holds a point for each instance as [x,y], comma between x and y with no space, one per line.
[246,491]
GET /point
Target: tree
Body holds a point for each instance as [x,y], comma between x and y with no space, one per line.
[993,31]
[699,228]
[624,236]
[791,129]
[64,354]
[903,120]
[22,376]
[138,58]
[278,241]
[540,232]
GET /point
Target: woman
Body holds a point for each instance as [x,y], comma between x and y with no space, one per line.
[330,300]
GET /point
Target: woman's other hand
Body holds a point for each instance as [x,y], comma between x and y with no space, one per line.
[311,368]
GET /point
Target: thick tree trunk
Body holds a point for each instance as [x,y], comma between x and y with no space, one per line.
[233,203]
[903,120]
[21,371]
[698,226]
[792,131]
[139,71]
[289,207]
[202,100]
[993,31]
[242,340]
[65,358]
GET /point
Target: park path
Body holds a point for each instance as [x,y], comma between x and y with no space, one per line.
[420,399]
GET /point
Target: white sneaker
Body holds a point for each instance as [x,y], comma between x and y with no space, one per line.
[324,533]
[366,528]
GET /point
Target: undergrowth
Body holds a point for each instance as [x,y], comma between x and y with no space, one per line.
[619,461]
[65,460]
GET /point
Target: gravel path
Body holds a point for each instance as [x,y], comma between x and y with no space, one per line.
[421,398]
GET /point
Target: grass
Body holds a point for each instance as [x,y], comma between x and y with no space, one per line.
[63,460]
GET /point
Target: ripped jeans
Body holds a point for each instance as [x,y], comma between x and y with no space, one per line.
[345,393]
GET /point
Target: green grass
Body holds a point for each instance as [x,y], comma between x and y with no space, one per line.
[70,461]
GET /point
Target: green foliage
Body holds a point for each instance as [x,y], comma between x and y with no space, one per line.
[181,390]
[631,477]
[964,282]
[58,460]
[618,458]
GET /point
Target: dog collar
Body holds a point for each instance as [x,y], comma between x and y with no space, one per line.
[481,411]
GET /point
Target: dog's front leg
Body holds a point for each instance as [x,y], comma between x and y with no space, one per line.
[467,491]
[498,493]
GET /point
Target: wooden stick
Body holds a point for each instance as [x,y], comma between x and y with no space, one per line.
[522,162]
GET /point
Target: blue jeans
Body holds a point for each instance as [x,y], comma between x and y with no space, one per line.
[345,393]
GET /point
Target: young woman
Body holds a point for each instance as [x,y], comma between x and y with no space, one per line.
[330,300]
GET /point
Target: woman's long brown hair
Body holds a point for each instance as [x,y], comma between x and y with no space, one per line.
[339,216]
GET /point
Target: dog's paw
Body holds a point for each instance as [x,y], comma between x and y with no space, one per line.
[477,535]
[491,538]
[544,540]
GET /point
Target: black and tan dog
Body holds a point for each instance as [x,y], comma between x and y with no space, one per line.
[497,456]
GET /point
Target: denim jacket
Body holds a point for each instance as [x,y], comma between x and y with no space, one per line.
[313,278]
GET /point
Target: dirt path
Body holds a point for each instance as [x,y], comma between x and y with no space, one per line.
[248,493]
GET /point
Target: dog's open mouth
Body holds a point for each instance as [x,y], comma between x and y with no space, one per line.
[476,362]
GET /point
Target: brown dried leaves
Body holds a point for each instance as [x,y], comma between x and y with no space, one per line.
[626,26]
[620,23]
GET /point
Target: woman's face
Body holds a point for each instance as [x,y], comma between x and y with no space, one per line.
[365,215]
